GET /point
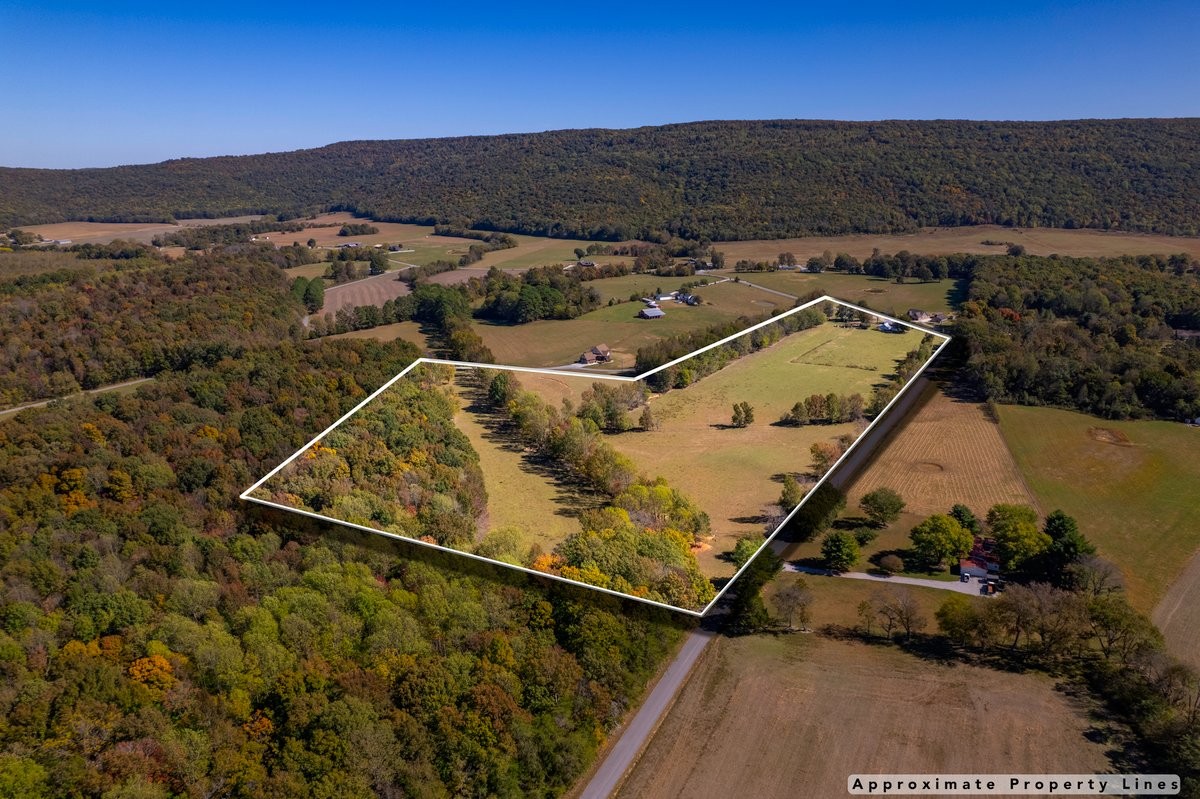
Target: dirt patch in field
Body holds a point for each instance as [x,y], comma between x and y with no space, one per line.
[794,715]
[1107,436]
[926,466]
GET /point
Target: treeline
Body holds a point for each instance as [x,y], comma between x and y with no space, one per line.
[160,637]
[538,293]
[357,229]
[1104,336]
[640,541]
[651,356]
[97,328]
[202,237]
[685,181]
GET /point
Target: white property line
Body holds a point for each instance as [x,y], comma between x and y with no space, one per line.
[246,495]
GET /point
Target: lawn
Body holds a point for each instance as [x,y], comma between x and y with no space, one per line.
[1131,486]
[886,296]
[813,710]
[735,474]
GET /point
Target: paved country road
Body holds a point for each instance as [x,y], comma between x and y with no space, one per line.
[607,777]
[957,586]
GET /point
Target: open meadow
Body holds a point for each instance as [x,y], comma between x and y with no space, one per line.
[524,491]
[813,710]
[1131,485]
[735,474]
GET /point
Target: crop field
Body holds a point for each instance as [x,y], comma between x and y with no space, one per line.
[407,331]
[813,710]
[368,291]
[948,451]
[943,241]
[734,474]
[554,342]
[1131,485]
[885,296]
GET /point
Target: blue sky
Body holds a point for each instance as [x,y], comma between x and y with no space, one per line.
[96,84]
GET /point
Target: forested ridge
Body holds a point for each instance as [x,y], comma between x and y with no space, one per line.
[161,638]
[720,180]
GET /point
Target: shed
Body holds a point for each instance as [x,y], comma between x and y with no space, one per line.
[651,313]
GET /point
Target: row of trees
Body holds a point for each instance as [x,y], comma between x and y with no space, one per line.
[826,409]
[200,237]
[640,542]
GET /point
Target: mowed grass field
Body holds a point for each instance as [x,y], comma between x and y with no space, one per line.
[947,451]
[367,291]
[735,474]
[554,342]
[1131,485]
[814,710]
[885,296]
[943,241]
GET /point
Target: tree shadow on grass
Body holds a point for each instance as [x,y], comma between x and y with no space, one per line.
[572,496]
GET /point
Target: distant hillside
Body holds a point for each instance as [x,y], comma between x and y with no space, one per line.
[721,180]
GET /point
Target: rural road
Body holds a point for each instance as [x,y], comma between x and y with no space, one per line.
[764,288]
[609,774]
[101,390]
[971,588]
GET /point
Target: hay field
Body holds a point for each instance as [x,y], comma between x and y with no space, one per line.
[1131,485]
[814,710]
[735,474]
[368,291]
[948,451]
[943,241]
[104,232]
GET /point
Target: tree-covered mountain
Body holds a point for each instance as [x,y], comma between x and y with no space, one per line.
[721,180]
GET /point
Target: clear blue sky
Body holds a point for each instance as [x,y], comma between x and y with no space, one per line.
[101,83]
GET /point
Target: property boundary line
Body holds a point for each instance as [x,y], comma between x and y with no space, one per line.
[245,495]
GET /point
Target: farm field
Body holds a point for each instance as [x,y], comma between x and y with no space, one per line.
[943,241]
[408,331]
[555,342]
[1131,486]
[948,451]
[735,474]
[1178,614]
[522,492]
[368,291]
[882,295]
[814,710]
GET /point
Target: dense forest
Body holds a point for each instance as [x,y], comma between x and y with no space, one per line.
[1116,337]
[95,322]
[717,180]
[158,637]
